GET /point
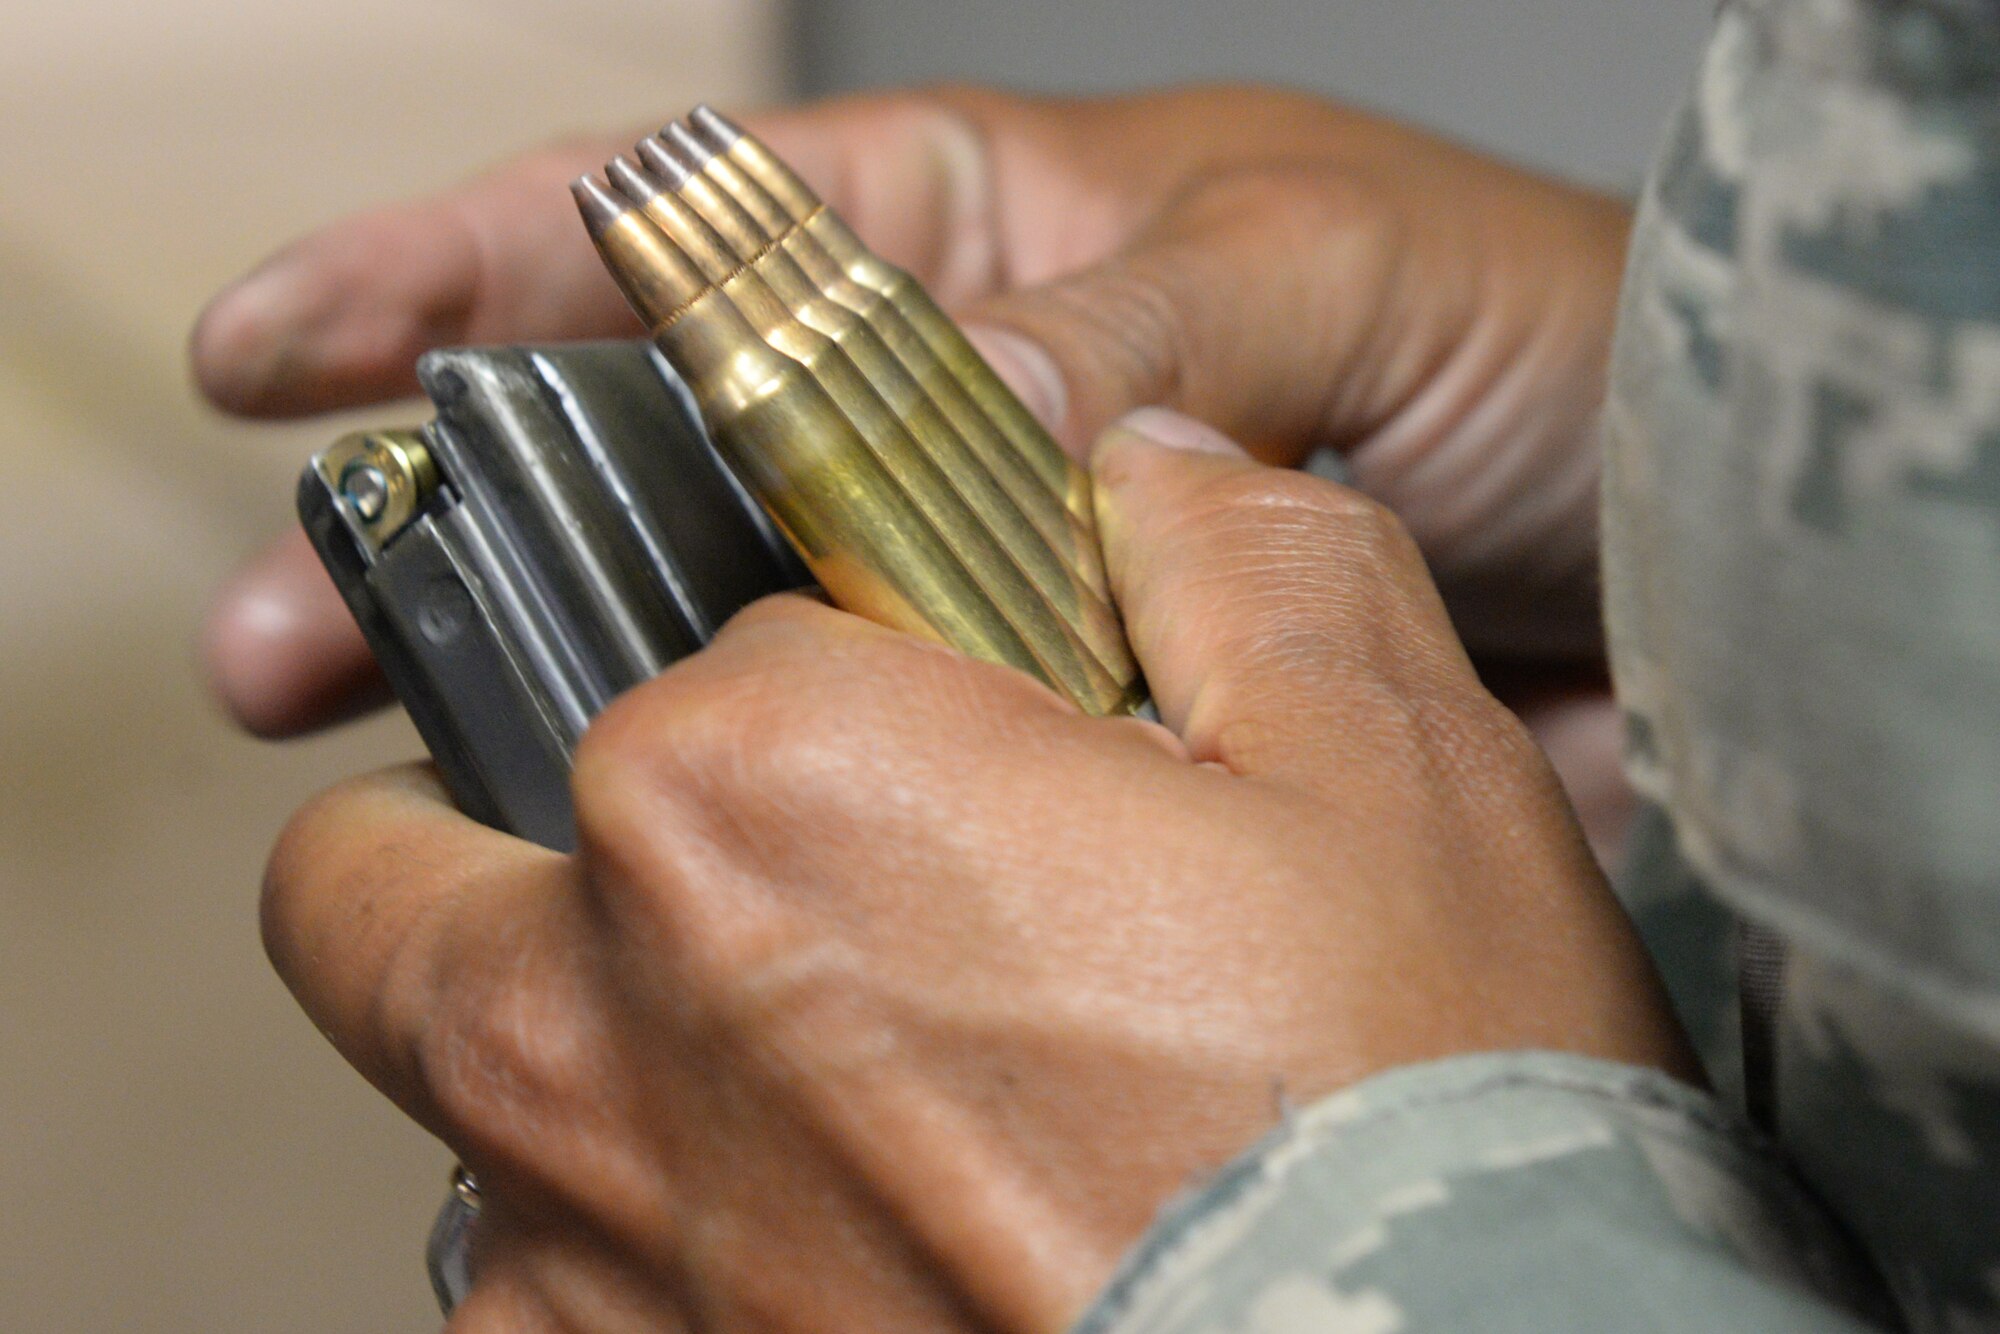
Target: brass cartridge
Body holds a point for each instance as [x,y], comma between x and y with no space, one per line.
[1047,619]
[936,328]
[1069,533]
[1073,585]
[866,541]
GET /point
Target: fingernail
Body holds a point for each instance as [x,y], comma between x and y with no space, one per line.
[1177,431]
[1028,370]
[242,338]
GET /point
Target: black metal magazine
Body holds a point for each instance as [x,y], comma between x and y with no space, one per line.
[574,534]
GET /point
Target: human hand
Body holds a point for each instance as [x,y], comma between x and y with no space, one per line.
[1292,271]
[887,991]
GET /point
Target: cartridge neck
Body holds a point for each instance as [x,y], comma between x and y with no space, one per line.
[718,350]
[775,290]
[769,215]
[779,181]
[729,218]
[838,240]
[824,271]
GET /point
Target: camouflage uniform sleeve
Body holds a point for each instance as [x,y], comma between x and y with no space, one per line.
[1516,1191]
[1802,572]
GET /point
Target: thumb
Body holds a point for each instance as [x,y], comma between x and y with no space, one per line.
[1194,313]
[1288,626]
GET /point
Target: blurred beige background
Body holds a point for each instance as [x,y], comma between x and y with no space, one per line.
[179,1152]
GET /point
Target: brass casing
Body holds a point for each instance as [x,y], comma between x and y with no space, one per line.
[1046,506]
[405,466]
[936,328]
[1043,600]
[1057,557]
[870,514]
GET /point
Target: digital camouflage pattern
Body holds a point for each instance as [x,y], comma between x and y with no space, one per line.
[1802,523]
[1516,1192]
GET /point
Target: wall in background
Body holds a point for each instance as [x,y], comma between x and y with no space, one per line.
[1576,86]
[180,1153]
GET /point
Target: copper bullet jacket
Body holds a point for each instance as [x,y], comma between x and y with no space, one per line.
[910,501]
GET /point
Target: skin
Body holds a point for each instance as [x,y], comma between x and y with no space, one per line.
[1288,270]
[845,1013]
[886,990]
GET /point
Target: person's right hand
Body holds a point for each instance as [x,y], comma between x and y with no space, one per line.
[845,1016]
[1292,272]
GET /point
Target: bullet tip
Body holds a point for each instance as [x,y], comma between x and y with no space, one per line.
[664,162]
[692,150]
[600,208]
[714,127]
[633,181]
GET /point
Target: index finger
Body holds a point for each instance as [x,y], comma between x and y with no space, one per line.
[1288,626]
[380,902]
[339,318]
[970,191]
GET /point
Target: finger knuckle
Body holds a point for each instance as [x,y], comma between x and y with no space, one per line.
[657,745]
[800,1004]
[1130,315]
[1296,506]
[1141,317]
[1293,204]
[1292,554]
[1466,735]
[774,613]
[1503,740]
[510,1048]
[724,740]
[696,720]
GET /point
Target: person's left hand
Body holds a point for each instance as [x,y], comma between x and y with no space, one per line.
[889,992]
